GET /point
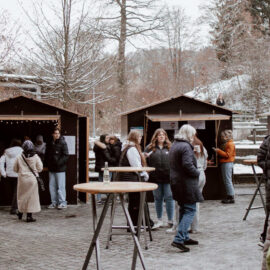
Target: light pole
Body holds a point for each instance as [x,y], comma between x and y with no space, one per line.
[94,113]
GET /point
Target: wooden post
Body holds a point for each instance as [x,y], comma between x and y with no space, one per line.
[145,128]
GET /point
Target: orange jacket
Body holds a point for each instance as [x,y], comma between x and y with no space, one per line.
[229,154]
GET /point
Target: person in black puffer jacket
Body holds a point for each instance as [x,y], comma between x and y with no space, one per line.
[184,177]
[103,154]
[263,158]
[157,153]
[56,157]
[115,148]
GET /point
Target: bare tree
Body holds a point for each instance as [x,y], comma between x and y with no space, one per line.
[179,36]
[125,20]
[9,32]
[68,57]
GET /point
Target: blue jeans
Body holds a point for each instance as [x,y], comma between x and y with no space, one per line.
[227,171]
[163,192]
[186,215]
[57,187]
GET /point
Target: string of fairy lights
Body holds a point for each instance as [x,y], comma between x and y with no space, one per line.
[39,122]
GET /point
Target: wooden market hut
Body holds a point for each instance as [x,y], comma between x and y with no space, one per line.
[22,116]
[171,114]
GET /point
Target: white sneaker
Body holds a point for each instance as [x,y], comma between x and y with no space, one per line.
[261,244]
[157,225]
[62,206]
[172,230]
[52,206]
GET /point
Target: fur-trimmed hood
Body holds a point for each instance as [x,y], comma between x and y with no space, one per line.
[100,144]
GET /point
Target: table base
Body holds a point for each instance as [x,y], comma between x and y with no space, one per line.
[258,189]
[146,225]
[95,241]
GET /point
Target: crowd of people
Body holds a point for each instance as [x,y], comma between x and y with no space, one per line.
[179,173]
[21,164]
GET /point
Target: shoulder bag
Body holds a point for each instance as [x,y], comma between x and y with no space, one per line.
[39,179]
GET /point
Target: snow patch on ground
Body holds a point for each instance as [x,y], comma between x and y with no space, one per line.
[246,146]
[245,169]
[246,157]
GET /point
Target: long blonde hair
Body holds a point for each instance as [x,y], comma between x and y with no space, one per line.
[154,140]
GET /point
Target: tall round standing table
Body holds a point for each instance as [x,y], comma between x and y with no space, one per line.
[111,189]
[146,216]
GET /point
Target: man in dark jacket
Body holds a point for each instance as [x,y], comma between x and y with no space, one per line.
[184,177]
[56,157]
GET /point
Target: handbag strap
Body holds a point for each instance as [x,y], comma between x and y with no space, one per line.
[28,166]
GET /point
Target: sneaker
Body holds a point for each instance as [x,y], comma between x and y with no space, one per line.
[99,202]
[169,224]
[172,230]
[193,231]
[52,206]
[157,225]
[261,243]
[191,242]
[62,206]
[229,199]
[182,247]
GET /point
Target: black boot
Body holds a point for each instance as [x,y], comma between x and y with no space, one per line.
[19,214]
[230,199]
[29,218]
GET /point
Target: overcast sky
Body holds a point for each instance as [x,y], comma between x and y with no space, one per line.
[191,8]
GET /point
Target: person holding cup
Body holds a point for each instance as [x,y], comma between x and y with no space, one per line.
[201,157]
[226,154]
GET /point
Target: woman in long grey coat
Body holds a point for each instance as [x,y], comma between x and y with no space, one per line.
[27,192]
[184,177]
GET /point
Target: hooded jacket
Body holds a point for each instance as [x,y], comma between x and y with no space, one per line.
[40,148]
[56,155]
[8,159]
[116,151]
[184,175]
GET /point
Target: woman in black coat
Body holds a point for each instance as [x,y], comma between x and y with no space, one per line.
[157,153]
[184,177]
[103,154]
[115,149]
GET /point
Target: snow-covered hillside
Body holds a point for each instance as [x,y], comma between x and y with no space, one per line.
[232,89]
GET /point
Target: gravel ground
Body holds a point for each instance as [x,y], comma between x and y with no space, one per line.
[60,239]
